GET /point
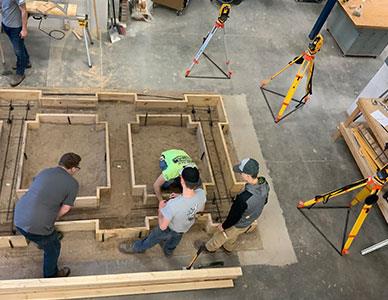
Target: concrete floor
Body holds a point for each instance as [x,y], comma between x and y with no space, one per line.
[261,36]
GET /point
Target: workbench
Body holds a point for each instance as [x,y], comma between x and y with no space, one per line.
[54,9]
[367,139]
[366,35]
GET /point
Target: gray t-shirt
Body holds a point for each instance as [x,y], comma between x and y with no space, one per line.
[11,14]
[37,210]
[181,211]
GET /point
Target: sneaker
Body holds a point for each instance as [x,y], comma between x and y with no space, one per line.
[127,248]
[29,66]
[16,80]
[200,244]
[64,272]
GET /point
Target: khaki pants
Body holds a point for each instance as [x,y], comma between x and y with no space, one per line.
[225,238]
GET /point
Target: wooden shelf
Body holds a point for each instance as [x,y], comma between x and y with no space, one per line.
[364,108]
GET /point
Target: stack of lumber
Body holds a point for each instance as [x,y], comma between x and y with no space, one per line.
[118,284]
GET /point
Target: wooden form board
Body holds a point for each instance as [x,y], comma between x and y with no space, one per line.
[118,284]
[374,13]
[14,241]
[365,107]
[140,190]
[89,119]
[14,94]
[51,8]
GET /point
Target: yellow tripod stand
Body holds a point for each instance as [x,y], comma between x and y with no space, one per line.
[306,61]
[369,195]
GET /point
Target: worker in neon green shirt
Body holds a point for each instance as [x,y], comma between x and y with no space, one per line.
[171,163]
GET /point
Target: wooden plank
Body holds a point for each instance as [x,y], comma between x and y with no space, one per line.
[87,119]
[14,94]
[18,241]
[367,108]
[87,201]
[226,164]
[202,100]
[117,280]
[165,120]
[165,105]
[203,149]
[4,242]
[116,96]
[80,225]
[65,102]
[126,290]
[354,149]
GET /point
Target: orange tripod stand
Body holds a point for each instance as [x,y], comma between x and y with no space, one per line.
[369,195]
[306,62]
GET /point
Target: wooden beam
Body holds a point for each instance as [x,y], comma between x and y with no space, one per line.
[66,101]
[117,280]
[125,290]
[14,94]
[117,96]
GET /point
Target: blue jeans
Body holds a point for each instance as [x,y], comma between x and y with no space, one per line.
[23,59]
[168,239]
[51,247]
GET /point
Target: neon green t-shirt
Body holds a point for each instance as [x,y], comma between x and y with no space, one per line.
[175,160]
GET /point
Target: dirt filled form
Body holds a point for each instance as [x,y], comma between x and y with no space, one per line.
[151,140]
[46,144]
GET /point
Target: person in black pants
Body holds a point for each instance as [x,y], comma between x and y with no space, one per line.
[50,196]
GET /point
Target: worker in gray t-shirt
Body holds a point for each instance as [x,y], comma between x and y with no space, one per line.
[50,196]
[176,216]
[14,23]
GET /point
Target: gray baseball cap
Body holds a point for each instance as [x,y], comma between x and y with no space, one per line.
[248,166]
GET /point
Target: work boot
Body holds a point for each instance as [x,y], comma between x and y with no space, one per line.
[127,248]
[226,250]
[64,272]
[201,244]
[29,66]
[16,80]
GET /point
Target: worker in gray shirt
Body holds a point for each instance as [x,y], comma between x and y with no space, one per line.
[176,216]
[14,24]
[50,196]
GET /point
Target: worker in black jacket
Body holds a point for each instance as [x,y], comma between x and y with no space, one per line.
[246,208]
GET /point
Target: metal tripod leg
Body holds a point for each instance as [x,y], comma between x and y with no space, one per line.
[202,48]
[86,36]
[374,247]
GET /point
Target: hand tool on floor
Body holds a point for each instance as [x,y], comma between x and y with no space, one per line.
[219,24]
[306,62]
[368,195]
[218,263]
[114,29]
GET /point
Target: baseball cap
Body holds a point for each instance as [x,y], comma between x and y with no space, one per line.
[248,166]
[191,175]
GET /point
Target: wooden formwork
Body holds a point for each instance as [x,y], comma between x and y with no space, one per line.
[140,190]
[88,119]
[154,109]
